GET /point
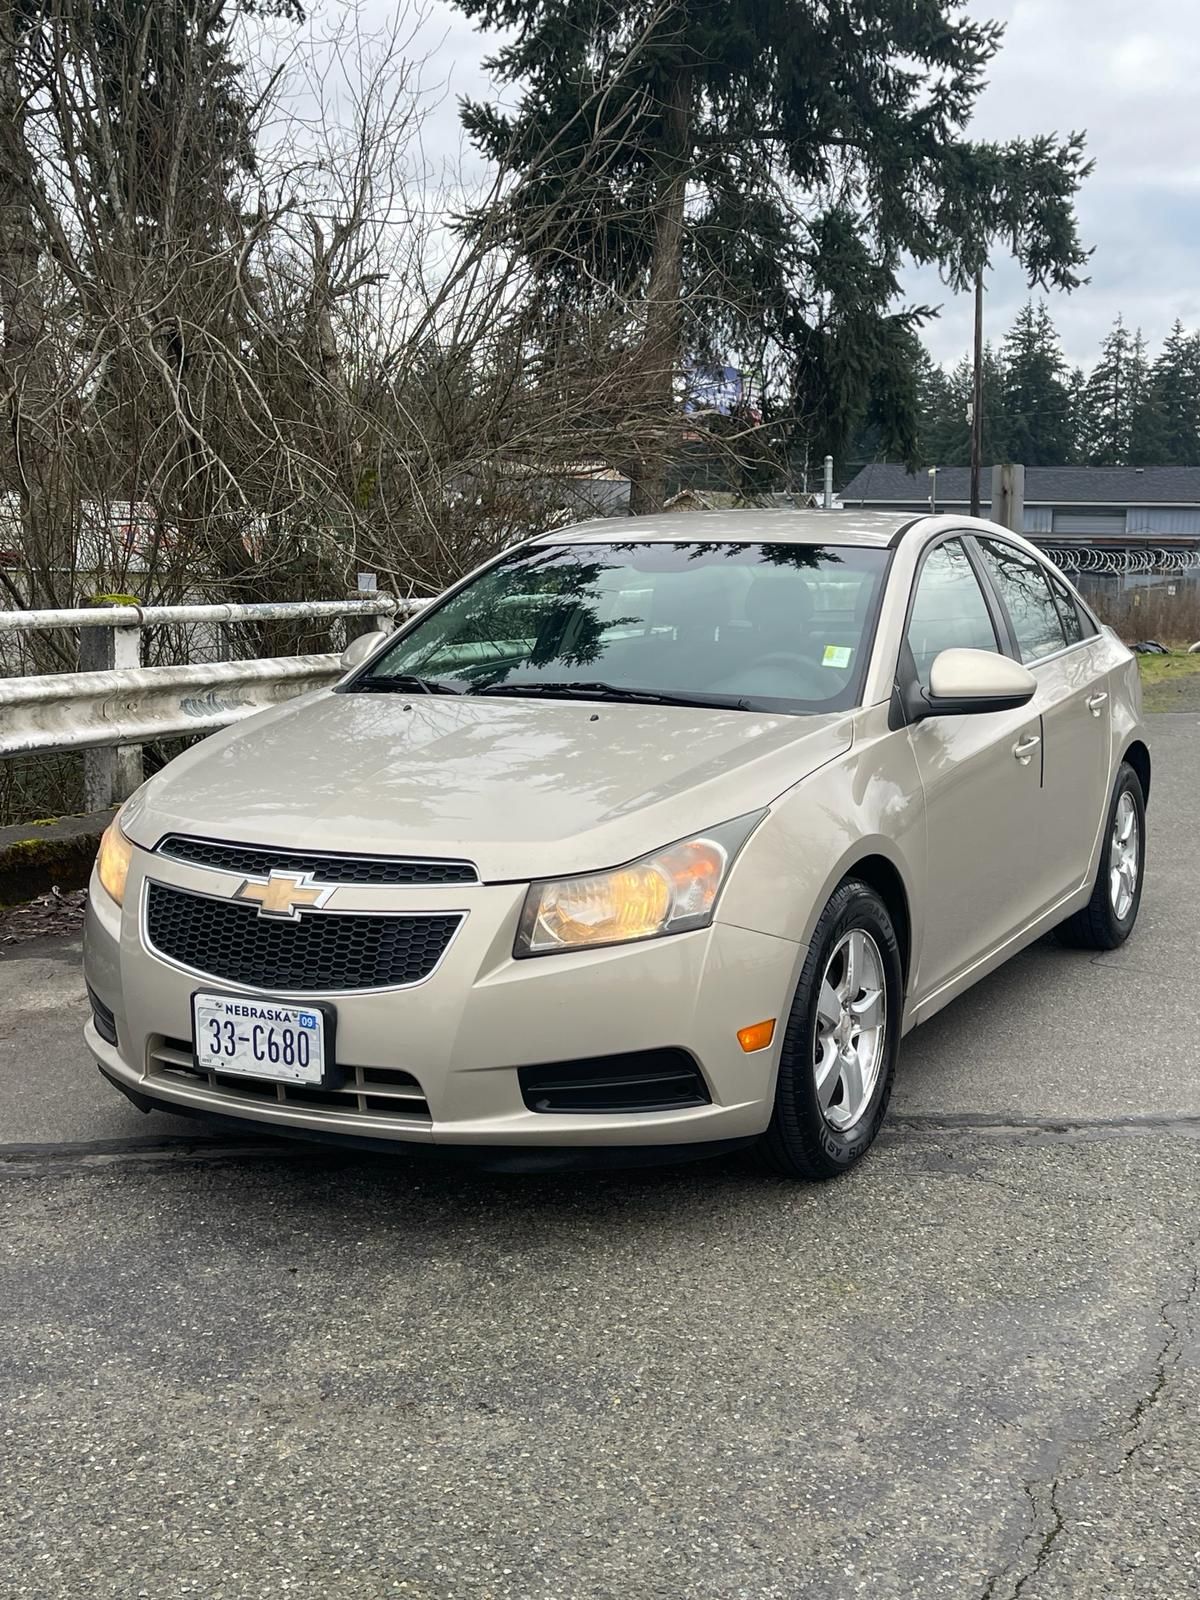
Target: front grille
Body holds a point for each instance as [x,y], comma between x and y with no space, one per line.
[643,1080]
[258,861]
[321,952]
[383,1092]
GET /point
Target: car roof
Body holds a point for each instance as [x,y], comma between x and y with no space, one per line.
[876,528]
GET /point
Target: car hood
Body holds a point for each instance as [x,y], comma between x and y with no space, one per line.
[524,788]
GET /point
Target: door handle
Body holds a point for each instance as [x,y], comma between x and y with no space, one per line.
[1095,701]
[1024,748]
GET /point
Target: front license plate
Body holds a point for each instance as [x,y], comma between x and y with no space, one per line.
[262,1038]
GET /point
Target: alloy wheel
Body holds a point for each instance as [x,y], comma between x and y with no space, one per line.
[851,1029]
[1123,853]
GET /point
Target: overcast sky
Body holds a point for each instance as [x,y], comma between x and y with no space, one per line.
[1126,71]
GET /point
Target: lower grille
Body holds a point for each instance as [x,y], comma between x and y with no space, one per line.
[103,1020]
[384,1092]
[643,1080]
[321,952]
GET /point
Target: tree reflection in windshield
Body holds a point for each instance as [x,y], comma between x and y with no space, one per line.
[772,625]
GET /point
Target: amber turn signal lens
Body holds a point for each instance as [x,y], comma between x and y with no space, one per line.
[757,1036]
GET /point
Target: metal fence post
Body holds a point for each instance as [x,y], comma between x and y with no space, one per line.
[369,621]
[110,776]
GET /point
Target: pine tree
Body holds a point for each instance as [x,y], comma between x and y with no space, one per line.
[695,167]
[948,442]
[1175,384]
[935,407]
[1037,400]
[1146,446]
[1106,410]
[1077,414]
[1122,423]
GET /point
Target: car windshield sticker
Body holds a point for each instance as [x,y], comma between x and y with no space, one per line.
[836,655]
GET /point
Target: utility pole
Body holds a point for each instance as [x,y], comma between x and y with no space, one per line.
[977,401]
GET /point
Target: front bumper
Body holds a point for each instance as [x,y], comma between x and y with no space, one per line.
[464,1031]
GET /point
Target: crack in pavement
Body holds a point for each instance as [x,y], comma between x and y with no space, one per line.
[1165,1363]
[1047,1540]
[172,1147]
[1049,1522]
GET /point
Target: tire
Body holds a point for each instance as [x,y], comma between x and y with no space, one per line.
[1106,921]
[804,1140]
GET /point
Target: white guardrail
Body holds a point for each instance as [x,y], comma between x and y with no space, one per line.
[114,705]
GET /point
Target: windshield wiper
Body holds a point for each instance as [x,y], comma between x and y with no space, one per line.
[613,691]
[403,683]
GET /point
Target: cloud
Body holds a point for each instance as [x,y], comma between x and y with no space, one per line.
[1127,74]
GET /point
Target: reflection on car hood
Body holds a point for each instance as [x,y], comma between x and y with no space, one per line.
[523,788]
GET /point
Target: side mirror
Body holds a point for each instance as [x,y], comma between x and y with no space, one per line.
[357,651]
[962,682]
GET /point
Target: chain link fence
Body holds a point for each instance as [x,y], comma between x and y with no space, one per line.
[1149,592]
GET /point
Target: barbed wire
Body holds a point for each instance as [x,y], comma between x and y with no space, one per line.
[1123,563]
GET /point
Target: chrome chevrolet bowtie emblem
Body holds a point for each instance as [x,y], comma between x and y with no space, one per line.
[283,894]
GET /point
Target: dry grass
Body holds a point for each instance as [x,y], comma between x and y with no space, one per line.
[1171,619]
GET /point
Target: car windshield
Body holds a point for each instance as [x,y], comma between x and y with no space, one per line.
[777,626]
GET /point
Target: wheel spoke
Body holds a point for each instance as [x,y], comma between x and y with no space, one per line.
[829,1007]
[868,1011]
[850,1068]
[1125,819]
[856,952]
[829,1075]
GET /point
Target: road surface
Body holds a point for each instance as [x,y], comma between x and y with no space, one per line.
[970,1369]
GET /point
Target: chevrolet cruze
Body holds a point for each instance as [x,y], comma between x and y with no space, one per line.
[653,833]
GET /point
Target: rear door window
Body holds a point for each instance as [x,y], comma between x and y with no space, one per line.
[1024,586]
[1072,617]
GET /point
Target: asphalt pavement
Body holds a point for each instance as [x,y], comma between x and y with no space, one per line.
[969,1369]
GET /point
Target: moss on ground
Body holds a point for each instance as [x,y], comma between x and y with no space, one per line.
[29,867]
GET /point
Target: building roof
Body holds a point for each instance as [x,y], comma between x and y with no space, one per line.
[887,482]
[751,526]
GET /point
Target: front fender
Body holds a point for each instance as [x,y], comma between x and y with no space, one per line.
[866,802]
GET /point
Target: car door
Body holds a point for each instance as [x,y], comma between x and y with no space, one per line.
[981,775]
[1073,705]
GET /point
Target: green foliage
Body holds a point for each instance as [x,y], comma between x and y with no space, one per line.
[1175,390]
[1035,394]
[1128,411]
[821,146]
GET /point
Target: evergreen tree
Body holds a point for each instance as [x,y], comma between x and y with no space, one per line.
[1076,414]
[1175,384]
[1036,396]
[1106,410]
[1122,424]
[935,409]
[694,166]
[949,439]
[1146,446]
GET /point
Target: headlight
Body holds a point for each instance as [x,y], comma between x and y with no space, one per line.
[668,892]
[112,861]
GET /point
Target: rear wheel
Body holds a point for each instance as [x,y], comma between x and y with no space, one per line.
[1108,918]
[839,1048]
